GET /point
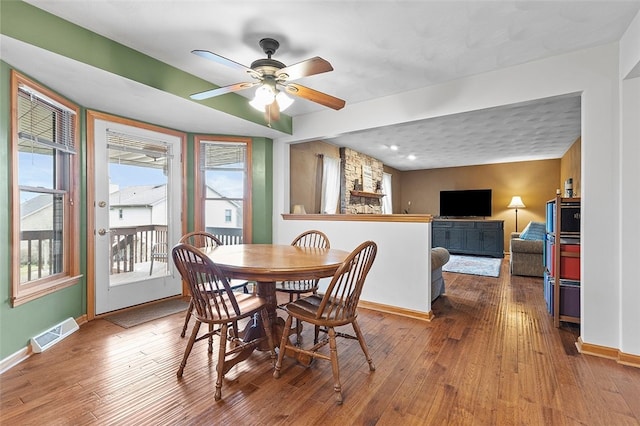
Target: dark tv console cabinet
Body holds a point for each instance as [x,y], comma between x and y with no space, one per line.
[468,236]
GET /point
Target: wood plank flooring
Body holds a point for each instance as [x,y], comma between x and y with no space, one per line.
[490,357]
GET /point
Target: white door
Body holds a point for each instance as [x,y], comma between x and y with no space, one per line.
[137,215]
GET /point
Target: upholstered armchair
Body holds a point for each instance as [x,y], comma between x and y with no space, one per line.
[439,256]
[525,256]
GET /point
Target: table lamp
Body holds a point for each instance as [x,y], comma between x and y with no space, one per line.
[299,209]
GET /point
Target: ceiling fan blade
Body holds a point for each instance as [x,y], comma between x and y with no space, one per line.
[314,96]
[306,68]
[222,90]
[224,61]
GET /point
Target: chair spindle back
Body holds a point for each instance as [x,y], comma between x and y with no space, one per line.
[312,238]
[200,239]
[211,293]
[341,298]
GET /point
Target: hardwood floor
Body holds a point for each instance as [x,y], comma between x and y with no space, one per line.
[490,357]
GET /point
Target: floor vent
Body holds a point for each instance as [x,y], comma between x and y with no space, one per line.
[52,336]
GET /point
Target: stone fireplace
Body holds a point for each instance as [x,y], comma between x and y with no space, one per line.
[360,186]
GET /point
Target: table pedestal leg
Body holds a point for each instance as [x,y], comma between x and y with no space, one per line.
[253,329]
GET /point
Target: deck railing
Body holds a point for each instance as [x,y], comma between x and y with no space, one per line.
[38,254]
[129,245]
[227,236]
[136,244]
[133,244]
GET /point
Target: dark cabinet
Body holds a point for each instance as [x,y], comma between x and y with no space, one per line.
[478,237]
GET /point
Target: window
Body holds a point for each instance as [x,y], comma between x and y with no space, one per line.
[120,214]
[223,185]
[44,187]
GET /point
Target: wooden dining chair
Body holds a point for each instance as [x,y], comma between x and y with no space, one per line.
[294,289]
[200,239]
[217,305]
[336,308]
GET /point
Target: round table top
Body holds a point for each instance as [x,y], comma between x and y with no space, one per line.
[273,262]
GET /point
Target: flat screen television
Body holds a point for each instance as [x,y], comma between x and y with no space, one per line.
[465,203]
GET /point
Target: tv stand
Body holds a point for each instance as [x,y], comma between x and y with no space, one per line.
[469,236]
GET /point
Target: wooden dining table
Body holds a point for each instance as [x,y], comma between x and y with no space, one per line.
[268,263]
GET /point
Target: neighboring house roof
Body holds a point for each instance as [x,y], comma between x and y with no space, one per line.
[235,203]
[149,195]
[138,195]
[34,205]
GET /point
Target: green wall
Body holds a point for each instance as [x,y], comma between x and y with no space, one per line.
[19,324]
[34,26]
[262,190]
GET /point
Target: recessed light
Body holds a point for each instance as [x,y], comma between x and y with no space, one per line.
[411,157]
[394,147]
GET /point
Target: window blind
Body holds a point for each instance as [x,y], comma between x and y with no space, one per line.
[222,155]
[43,125]
[137,150]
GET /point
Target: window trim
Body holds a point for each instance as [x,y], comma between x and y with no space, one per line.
[198,183]
[23,293]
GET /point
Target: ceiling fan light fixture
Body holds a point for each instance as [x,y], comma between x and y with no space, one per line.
[283,100]
[258,105]
[264,96]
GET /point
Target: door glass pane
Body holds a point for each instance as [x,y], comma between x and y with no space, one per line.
[224,165]
[138,208]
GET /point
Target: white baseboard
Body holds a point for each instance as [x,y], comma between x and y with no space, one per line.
[15,359]
[22,354]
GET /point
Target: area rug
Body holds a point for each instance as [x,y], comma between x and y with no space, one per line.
[137,316]
[473,265]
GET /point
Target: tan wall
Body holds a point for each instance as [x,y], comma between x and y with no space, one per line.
[535,181]
[306,173]
[570,167]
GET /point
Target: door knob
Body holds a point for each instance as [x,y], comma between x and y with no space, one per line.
[102,204]
[102,231]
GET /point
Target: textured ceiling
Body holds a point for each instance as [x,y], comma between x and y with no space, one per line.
[377,49]
[538,130]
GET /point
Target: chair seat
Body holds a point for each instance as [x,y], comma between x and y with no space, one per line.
[307,308]
[248,304]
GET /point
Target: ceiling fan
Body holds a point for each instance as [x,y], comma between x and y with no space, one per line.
[274,79]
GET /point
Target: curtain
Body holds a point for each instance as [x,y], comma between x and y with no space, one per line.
[330,185]
[387,205]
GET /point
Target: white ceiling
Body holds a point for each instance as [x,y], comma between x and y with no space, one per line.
[377,49]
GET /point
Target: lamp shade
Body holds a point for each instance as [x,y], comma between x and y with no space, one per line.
[516,203]
[283,101]
[299,209]
[265,96]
